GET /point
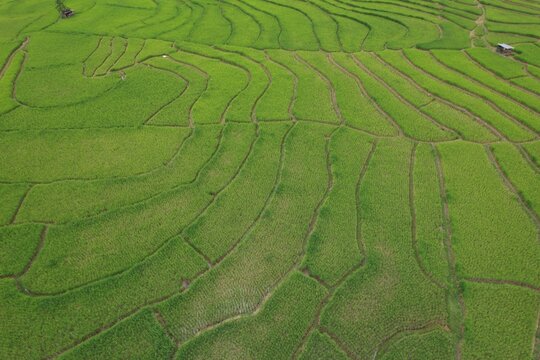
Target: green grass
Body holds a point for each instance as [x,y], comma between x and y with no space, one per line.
[267,179]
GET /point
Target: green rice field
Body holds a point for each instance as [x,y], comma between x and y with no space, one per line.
[269,179]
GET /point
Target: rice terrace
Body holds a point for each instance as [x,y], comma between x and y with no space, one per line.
[270,179]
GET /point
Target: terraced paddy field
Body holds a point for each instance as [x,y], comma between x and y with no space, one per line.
[269,179]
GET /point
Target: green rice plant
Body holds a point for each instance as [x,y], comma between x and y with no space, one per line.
[278,98]
[103,19]
[497,14]
[469,6]
[6,49]
[11,195]
[242,108]
[500,321]
[7,82]
[13,25]
[420,24]
[401,85]
[533,149]
[466,23]
[411,9]
[245,30]
[153,222]
[47,49]
[128,151]
[271,248]
[53,202]
[501,65]
[429,227]
[118,46]
[334,248]
[178,112]
[382,29]
[225,222]
[225,82]
[519,172]
[455,95]
[17,245]
[320,347]
[453,37]
[268,23]
[313,98]
[351,33]
[391,271]
[464,124]
[98,56]
[483,214]
[153,48]
[528,53]
[529,30]
[121,106]
[413,123]
[59,321]
[443,72]
[324,26]
[179,29]
[533,70]
[364,112]
[432,343]
[296,30]
[354,106]
[273,332]
[169,25]
[495,38]
[461,63]
[211,28]
[528,83]
[60,86]
[140,336]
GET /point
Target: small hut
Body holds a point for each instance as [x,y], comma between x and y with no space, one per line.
[64,11]
[505,49]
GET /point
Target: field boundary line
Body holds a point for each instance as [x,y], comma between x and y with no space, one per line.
[511,187]
[159,109]
[367,96]
[329,85]
[331,289]
[404,101]
[119,272]
[19,205]
[9,60]
[489,89]
[155,302]
[520,284]
[340,344]
[456,107]
[510,83]
[295,85]
[455,290]
[487,101]
[248,230]
[226,61]
[405,331]
[427,274]
[525,154]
